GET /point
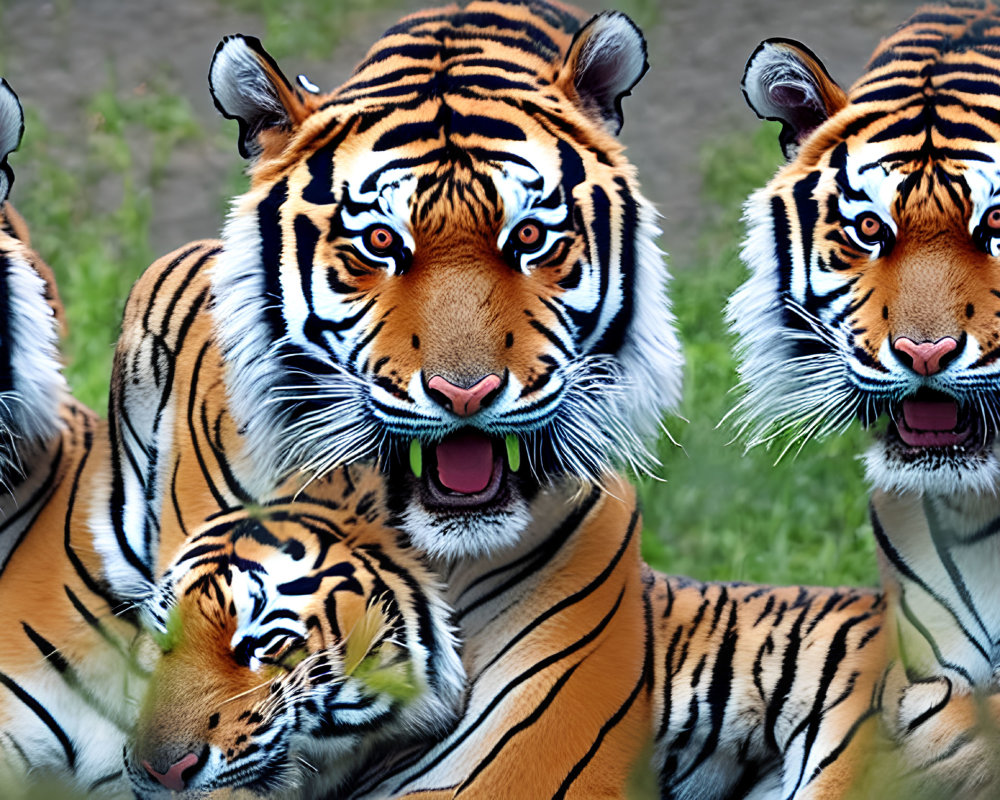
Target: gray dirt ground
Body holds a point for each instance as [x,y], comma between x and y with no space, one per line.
[57,54]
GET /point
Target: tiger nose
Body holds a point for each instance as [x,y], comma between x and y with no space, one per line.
[464,401]
[173,778]
[926,358]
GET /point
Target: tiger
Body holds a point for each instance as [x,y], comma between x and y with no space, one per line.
[296,637]
[444,268]
[490,190]
[55,691]
[78,655]
[33,391]
[873,294]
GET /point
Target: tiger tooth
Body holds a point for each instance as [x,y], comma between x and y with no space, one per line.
[416,458]
[513,452]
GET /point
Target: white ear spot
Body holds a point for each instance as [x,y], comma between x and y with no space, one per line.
[307,84]
[606,59]
[11,129]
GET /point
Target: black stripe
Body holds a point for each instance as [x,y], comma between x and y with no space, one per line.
[46,718]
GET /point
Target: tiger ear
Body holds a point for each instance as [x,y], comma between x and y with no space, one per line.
[784,81]
[11,130]
[605,60]
[248,86]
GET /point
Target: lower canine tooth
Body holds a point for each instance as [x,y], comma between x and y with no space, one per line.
[513,452]
[416,458]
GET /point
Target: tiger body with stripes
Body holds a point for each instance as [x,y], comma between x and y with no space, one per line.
[875,294]
[34,399]
[53,697]
[207,415]
[445,265]
[72,678]
[575,652]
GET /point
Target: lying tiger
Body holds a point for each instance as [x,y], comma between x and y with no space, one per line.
[360,654]
[875,294]
[445,265]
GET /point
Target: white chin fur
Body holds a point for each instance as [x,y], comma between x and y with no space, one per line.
[448,537]
[887,472]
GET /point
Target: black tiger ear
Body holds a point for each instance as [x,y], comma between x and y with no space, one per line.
[605,60]
[784,81]
[11,130]
[248,86]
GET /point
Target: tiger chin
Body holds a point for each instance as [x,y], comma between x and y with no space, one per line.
[415,277]
[295,640]
[874,266]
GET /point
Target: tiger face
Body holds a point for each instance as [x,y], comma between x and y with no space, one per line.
[875,254]
[31,381]
[294,639]
[446,264]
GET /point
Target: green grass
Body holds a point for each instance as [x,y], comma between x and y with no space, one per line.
[310,28]
[98,252]
[723,514]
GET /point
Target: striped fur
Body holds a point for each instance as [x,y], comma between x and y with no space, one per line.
[68,669]
[569,642]
[297,637]
[461,131]
[875,278]
[290,346]
[32,386]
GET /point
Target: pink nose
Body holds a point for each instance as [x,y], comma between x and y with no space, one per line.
[926,357]
[172,777]
[465,402]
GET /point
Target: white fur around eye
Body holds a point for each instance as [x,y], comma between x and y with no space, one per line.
[853,211]
[363,222]
[551,221]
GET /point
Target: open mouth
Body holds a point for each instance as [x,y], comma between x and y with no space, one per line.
[466,470]
[931,420]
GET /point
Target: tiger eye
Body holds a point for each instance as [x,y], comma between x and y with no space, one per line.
[870,226]
[529,234]
[380,239]
[992,219]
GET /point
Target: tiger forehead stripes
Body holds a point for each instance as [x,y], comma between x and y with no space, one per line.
[874,252]
[446,260]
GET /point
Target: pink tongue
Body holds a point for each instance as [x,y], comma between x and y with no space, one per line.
[465,462]
[930,424]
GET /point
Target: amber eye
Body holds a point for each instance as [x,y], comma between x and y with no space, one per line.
[991,220]
[380,239]
[528,236]
[870,228]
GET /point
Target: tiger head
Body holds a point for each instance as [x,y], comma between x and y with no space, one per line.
[31,380]
[294,638]
[875,253]
[445,263]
